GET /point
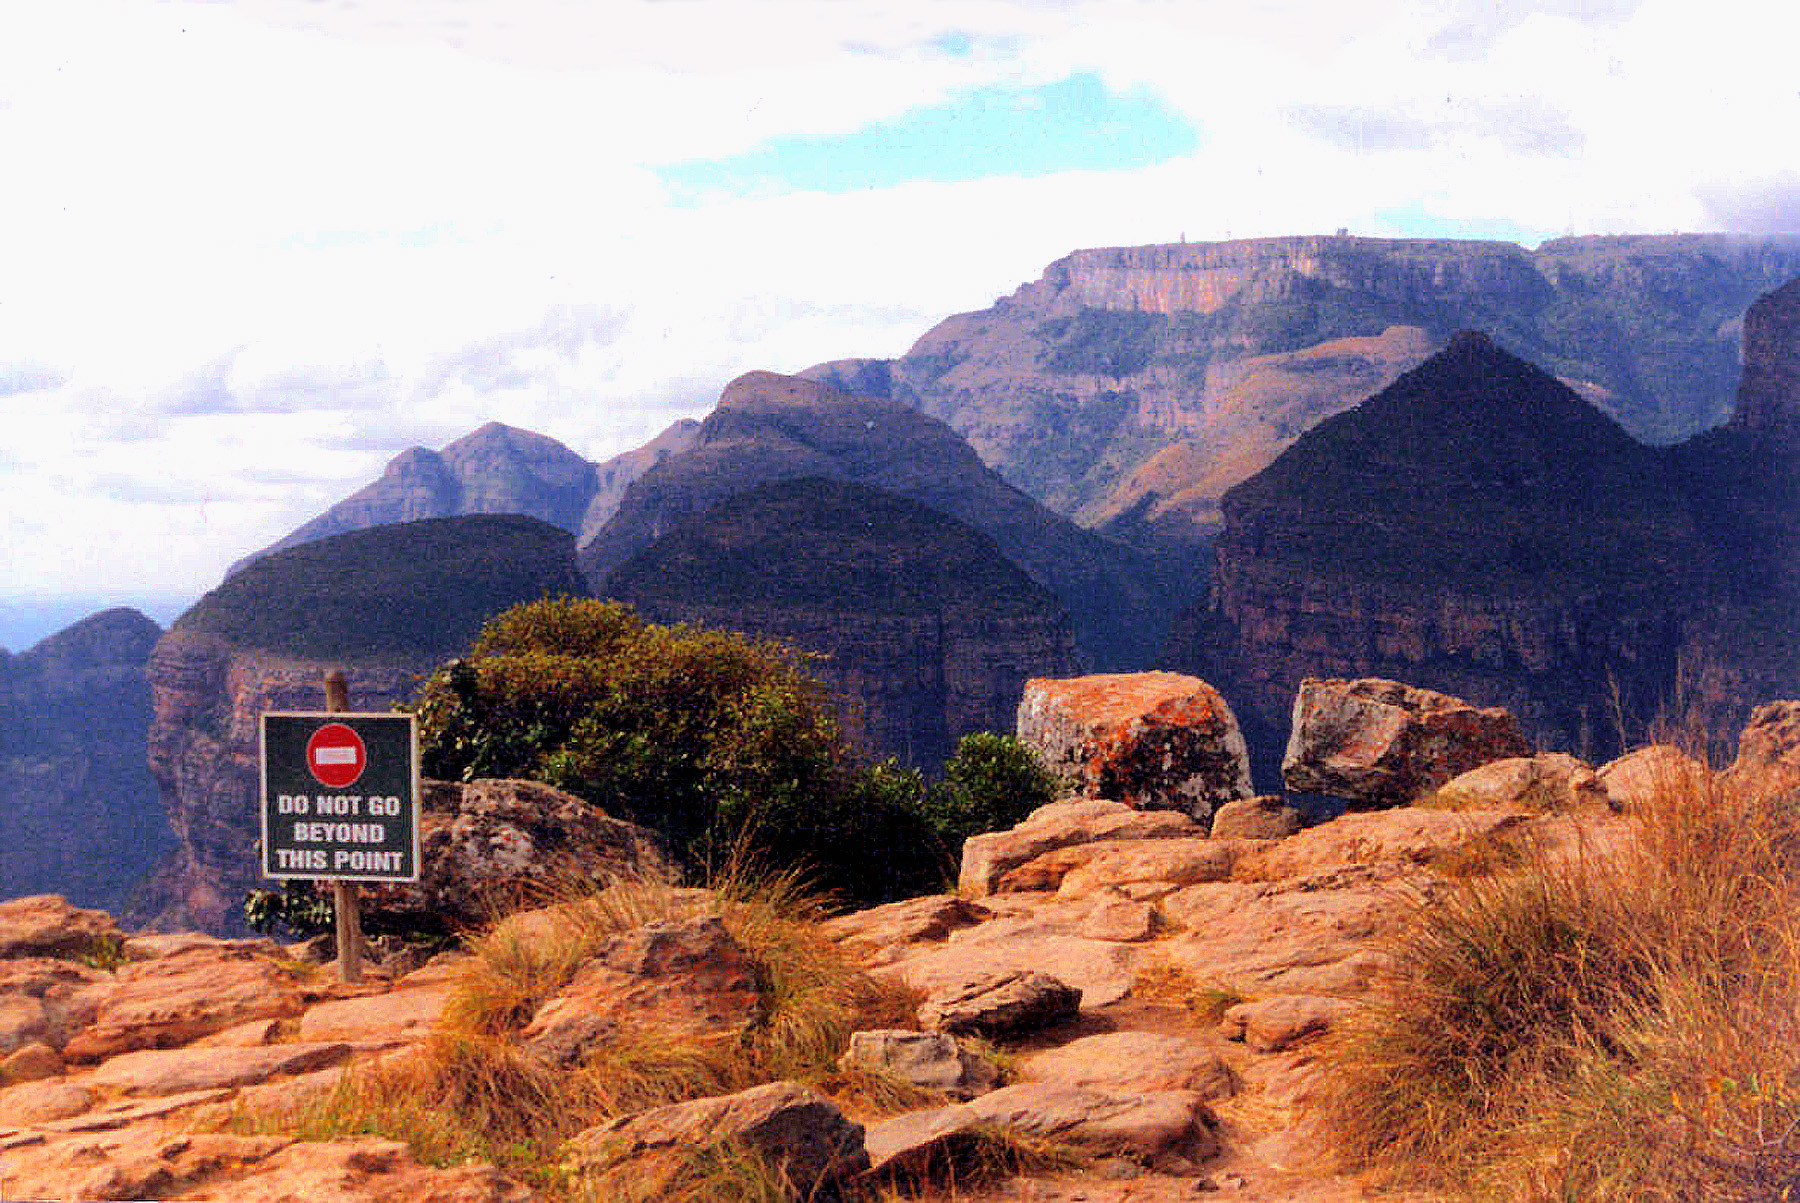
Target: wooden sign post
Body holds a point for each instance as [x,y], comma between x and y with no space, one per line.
[315,827]
[346,906]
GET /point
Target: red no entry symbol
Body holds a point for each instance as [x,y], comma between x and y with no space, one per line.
[335,756]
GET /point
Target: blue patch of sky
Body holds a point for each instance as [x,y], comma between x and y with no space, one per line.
[1415,221]
[1074,124]
[953,42]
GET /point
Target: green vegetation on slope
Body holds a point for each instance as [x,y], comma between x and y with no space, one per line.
[830,544]
[415,589]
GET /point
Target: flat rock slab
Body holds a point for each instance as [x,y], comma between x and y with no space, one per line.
[41,1101]
[176,1070]
[1159,867]
[1102,970]
[1163,1127]
[988,859]
[45,1000]
[1259,940]
[1135,1061]
[180,998]
[881,934]
[403,1014]
[999,1004]
[1408,835]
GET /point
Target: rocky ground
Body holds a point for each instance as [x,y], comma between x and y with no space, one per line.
[1161,995]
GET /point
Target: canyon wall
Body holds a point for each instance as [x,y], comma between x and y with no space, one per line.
[78,808]
[204,751]
[1478,528]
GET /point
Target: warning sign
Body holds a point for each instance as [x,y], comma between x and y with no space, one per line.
[340,796]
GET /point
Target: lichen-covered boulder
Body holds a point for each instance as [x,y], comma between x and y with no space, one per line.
[1154,740]
[491,846]
[1375,742]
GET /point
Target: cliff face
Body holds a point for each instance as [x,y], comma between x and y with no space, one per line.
[78,808]
[769,428]
[1768,406]
[926,630]
[204,745]
[613,477]
[263,641]
[1131,387]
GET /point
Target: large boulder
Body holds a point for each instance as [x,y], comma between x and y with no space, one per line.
[1768,756]
[1155,740]
[490,846]
[1375,742]
[797,1129]
[1655,774]
[1001,1003]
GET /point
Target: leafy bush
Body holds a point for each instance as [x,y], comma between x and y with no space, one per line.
[992,782]
[721,742]
[700,734]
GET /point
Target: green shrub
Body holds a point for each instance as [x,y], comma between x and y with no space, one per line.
[990,783]
[721,742]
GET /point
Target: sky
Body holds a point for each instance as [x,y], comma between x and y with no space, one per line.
[252,249]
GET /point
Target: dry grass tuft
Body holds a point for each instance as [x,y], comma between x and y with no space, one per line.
[1161,982]
[1617,1028]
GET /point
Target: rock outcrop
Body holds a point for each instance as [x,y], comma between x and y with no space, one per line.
[1132,386]
[385,606]
[1380,743]
[927,632]
[487,847]
[1156,741]
[78,807]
